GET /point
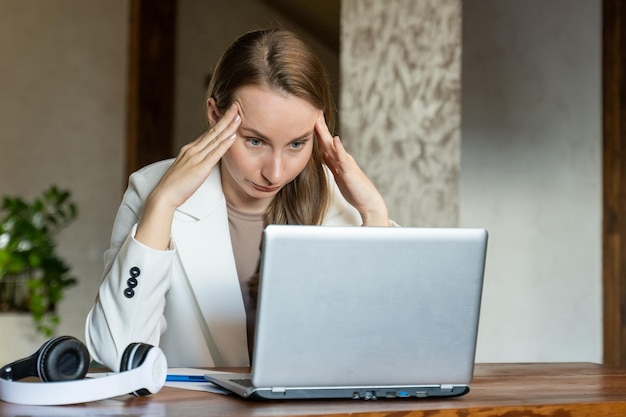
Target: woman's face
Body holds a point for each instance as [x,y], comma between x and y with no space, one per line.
[273,145]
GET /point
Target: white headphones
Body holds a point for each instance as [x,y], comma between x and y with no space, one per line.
[62,363]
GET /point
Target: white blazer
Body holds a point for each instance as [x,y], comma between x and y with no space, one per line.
[186,300]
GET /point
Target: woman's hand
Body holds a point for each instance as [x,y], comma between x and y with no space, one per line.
[356,188]
[187,173]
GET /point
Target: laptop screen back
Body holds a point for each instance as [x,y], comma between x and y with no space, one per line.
[352,306]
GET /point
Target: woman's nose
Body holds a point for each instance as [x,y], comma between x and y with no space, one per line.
[272,168]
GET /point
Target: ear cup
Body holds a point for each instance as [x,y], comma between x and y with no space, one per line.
[133,357]
[143,370]
[63,358]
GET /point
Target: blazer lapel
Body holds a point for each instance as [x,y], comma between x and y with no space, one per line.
[202,237]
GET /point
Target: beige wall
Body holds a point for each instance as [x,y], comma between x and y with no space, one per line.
[531,173]
[531,169]
[400,103]
[62,115]
[530,150]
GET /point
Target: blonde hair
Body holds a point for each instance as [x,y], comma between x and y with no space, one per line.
[279,59]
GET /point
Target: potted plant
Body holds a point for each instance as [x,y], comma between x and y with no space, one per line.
[32,275]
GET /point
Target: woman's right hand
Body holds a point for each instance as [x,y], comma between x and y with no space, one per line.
[187,173]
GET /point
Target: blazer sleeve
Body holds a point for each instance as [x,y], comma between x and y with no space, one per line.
[131,300]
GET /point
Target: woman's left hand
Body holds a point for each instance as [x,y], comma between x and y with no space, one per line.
[355,186]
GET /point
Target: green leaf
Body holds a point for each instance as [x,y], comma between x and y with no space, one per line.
[28,249]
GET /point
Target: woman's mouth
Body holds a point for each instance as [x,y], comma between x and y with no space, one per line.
[265,189]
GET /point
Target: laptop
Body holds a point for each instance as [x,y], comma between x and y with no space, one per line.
[364,313]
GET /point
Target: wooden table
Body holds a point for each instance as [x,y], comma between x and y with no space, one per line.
[511,390]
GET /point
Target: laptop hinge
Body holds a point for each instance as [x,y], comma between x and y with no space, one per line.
[446,387]
[279,389]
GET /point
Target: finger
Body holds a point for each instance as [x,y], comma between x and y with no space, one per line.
[330,164]
[231,114]
[223,131]
[211,145]
[334,158]
[338,146]
[228,132]
[323,133]
[219,148]
[225,126]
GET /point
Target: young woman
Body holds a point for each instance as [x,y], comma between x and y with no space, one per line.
[180,272]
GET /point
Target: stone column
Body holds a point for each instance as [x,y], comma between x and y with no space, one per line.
[400,112]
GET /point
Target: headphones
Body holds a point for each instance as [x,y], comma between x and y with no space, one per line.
[65,360]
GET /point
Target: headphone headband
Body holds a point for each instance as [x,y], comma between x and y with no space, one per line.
[148,378]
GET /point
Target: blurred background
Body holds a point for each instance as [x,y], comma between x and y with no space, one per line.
[476,113]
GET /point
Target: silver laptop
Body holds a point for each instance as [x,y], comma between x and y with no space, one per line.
[365,313]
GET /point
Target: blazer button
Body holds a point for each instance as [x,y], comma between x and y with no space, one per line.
[132,282]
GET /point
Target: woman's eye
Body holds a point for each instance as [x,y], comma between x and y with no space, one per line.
[254,141]
[297,145]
